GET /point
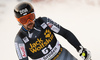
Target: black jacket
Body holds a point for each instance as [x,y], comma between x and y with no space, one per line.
[40,42]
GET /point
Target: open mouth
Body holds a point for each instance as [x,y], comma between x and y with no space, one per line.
[30,26]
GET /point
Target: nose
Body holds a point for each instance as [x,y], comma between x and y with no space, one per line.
[29,21]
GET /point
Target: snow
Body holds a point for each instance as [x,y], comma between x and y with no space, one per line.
[79,17]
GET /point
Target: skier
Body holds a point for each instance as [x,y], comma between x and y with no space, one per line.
[36,37]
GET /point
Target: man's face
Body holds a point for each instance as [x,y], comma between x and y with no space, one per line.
[29,25]
[27,21]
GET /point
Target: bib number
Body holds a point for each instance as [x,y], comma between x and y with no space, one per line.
[46,49]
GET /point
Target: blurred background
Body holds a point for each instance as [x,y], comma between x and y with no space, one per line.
[82,17]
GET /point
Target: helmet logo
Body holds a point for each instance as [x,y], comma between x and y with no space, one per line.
[23,11]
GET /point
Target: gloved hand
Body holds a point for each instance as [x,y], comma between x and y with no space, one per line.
[84,53]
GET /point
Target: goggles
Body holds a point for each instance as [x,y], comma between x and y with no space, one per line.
[25,19]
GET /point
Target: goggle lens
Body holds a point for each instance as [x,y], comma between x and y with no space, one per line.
[24,19]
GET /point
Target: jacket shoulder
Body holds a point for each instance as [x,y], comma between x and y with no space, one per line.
[45,19]
[18,38]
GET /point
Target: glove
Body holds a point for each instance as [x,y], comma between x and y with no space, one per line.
[84,53]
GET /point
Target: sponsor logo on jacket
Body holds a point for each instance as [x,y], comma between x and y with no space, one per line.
[40,44]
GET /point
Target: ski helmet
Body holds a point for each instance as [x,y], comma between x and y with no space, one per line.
[23,9]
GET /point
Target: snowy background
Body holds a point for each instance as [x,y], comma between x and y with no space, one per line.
[82,17]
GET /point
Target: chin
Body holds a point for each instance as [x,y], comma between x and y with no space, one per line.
[30,28]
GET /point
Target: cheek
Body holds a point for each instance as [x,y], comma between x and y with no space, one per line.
[33,22]
[25,26]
